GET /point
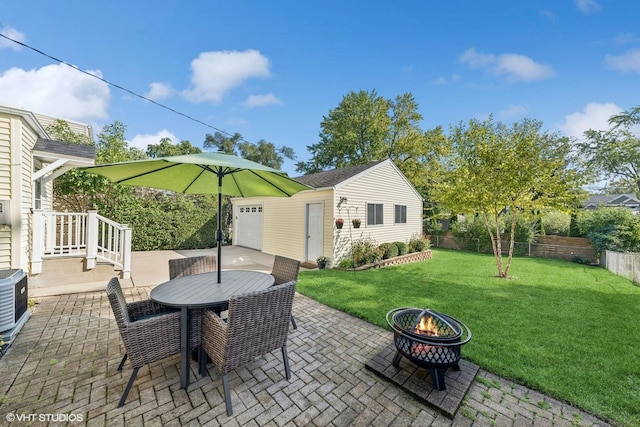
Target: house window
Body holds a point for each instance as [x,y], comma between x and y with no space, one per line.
[37,194]
[400,214]
[374,214]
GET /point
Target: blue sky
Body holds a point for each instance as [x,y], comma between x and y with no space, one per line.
[272,70]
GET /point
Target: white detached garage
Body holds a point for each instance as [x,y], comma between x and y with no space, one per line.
[303,226]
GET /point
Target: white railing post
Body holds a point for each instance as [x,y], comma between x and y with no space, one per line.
[126,252]
[92,239]
[38,241]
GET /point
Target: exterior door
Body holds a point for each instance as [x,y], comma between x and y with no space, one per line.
[249,226]
[315,231]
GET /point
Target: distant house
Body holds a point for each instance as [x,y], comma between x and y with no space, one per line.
[304,227]
[629,201]
[29,161]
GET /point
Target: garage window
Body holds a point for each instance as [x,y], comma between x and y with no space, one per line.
[400,214]
[374,214]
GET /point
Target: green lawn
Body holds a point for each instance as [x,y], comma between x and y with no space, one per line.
[568,330]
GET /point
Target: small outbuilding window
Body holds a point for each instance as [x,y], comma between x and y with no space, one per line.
[374,214]
[400,214]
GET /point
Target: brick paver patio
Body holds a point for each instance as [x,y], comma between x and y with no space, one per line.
[63,364]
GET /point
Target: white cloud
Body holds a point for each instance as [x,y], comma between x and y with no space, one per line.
[56,90]
[445,80]
[513,111]
[513,67]
[262,100]
[13,34]
[142,141]
[629,61]
[158,91]
[216,73]
[593,116]
[587,6]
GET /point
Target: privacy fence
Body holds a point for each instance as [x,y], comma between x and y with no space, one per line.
[623,264]
[558,247]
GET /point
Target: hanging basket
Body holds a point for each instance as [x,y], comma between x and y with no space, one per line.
[339,223]
[356,223]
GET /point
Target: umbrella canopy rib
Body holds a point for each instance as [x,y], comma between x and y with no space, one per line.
[129,178]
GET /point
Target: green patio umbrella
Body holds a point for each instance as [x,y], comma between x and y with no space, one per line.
[204,173]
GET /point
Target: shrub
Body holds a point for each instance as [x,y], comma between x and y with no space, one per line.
[402,248]
[366,251]
[346,263]
[389,250]
[556,223]
[615,229]
[472,234]
[419,244]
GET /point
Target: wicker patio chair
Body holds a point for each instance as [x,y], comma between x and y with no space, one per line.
[148,335]
[258,323]
[180,267]
[285,270]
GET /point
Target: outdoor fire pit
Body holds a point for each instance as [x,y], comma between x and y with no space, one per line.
[429,339]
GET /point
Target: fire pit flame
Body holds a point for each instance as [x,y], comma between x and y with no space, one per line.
[427,327]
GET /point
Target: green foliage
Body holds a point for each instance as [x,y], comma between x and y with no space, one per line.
[347,263]
[263,152]
[494,168]
[419,244]
[472,234]
[366,251]
[389,250]
[615,153]
[79,191]
[555,223]
[615,229]
[162,221]
[166,149]
[366,127]
[402,248]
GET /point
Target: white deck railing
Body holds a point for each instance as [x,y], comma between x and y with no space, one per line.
[59,234]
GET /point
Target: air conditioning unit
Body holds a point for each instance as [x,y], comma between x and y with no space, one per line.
[13,300]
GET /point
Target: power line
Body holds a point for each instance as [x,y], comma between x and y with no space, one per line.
[121,87]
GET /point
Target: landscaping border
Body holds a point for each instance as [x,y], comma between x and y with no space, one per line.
[402,259]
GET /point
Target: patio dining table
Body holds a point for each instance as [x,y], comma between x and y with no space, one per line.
[202,291]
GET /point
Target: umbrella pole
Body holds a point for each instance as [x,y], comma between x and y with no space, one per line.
[219,234]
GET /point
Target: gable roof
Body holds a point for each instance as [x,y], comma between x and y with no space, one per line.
[336,176]
[628,200]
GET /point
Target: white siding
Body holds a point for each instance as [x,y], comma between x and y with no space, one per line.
[383,184]
[284,222]
[75,127]
[5,189]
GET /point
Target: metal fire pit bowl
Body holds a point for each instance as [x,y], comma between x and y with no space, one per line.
[436,350]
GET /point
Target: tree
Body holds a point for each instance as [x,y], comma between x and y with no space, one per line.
[165,149]
[263,152]
[496,170]
[366,127]
[616,152]
[77,190]
[354,133]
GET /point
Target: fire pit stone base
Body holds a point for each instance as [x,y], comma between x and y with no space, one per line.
[417,381]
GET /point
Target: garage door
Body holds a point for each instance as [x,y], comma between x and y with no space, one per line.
[249,227]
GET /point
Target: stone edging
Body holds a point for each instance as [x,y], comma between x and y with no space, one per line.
[402,259]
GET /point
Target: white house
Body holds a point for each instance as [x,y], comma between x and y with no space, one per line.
[29,161]
[303,227]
